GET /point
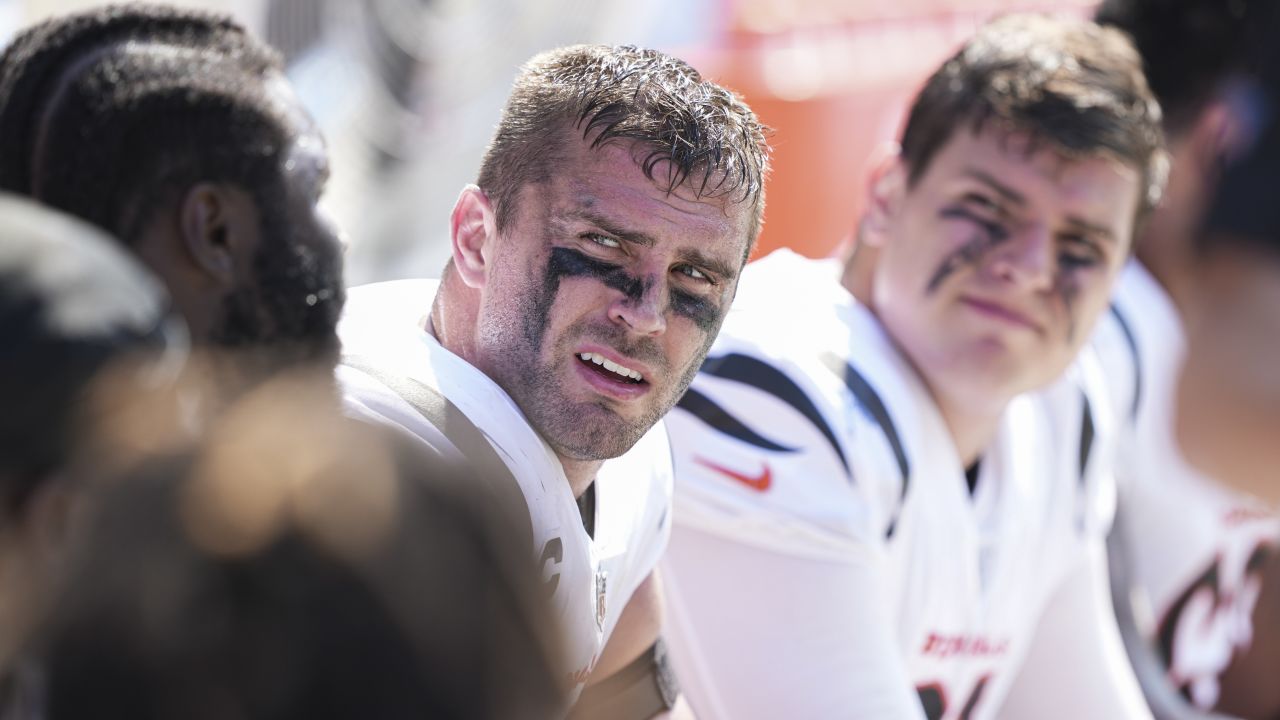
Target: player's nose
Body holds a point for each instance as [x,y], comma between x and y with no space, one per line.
[642,312]
[1026,259]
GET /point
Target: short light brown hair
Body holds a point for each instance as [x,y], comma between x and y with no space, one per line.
[1072,85]
[712,141]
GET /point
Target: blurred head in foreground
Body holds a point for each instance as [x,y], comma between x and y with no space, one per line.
[76,315]
[1190,50]
[1229,402]
[299,565]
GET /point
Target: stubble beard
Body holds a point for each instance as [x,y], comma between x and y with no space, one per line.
[583,430]
[287,313]
[531,368]
[536,377]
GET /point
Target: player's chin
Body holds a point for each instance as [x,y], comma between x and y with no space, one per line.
[599,433]
[1021,364]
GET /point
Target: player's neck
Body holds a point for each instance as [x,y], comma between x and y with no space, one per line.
[1172,265]
[453,317]
[580,473]
[859,265]
[452,322]
[972,428]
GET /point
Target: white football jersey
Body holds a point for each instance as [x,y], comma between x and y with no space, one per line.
[1194,547]
[590,579]
[828,558]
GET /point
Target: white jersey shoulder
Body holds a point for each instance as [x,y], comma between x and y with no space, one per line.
[590,578]
[1193,547]
[773,403]
[807,432]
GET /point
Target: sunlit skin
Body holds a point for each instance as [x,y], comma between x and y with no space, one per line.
[994,266]
[1228,418]
[598,259]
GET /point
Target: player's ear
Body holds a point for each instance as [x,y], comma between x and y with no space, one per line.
[886,188]
[218,230]
[1216,137]
[474,230]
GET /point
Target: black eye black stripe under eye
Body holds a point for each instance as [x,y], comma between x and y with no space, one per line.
[568,262]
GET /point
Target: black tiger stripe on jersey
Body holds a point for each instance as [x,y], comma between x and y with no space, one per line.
[1087,433]
[1086,437]
[1127,330]
[766,378]
[869,399]
[703,408]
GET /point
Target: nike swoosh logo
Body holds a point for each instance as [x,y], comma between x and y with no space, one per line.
[759,483]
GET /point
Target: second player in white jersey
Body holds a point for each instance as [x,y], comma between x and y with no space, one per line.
[590,575]
[1194,548]
[887,489]
[857,576]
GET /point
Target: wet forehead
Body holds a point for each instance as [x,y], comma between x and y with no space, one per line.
[609,184]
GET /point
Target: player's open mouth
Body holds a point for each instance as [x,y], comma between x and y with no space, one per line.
[610,369]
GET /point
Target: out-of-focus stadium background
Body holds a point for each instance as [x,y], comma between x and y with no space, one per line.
[408,91]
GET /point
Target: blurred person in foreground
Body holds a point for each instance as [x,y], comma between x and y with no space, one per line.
[1229,392]
[175,131]
[76,315]
[252,579]
[1196,553]
[1228,389]
[886,487]
[592,265]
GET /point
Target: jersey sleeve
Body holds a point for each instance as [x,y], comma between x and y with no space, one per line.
[776,579]
[779,456]
[757,633]
[1076,666]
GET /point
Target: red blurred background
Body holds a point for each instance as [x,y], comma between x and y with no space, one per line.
[833,80]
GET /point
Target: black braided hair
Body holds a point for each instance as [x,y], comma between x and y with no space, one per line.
[111,113]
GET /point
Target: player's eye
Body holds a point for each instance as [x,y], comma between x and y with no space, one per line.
[981,202]
[981,211]
[603,240]
[694,273]
[1079,252]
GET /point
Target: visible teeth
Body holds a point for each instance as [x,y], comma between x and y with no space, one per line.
[612,366]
